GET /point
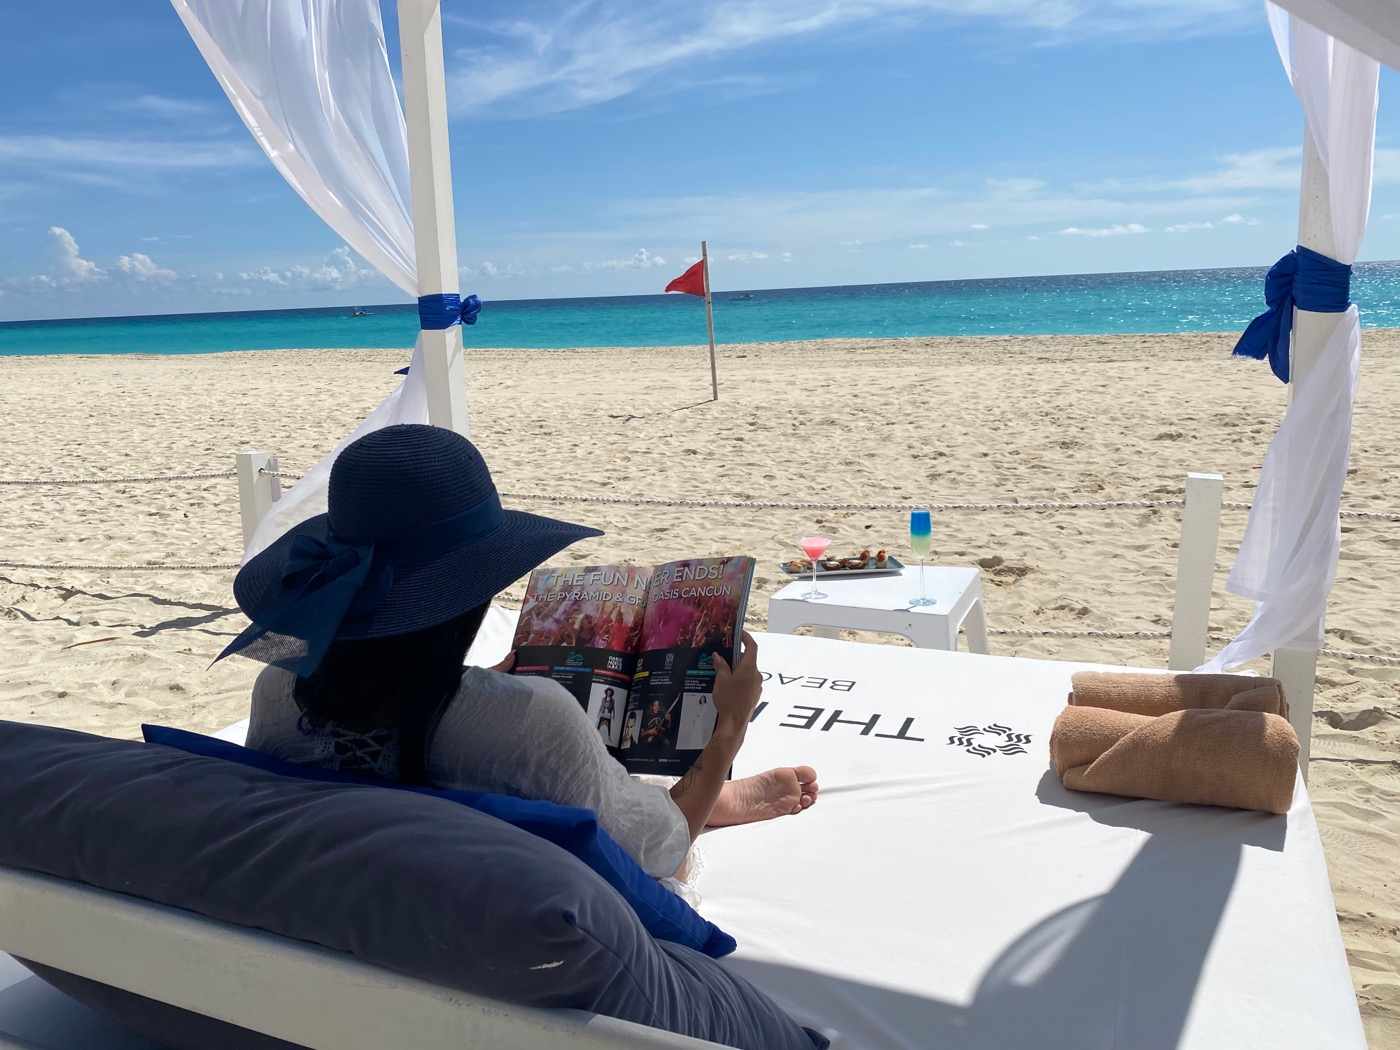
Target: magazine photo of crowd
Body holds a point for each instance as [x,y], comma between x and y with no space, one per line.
[701,611]
[580,618]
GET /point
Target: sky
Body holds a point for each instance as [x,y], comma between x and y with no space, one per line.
[595,142]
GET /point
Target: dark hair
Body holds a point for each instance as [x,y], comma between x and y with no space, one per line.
[401,682]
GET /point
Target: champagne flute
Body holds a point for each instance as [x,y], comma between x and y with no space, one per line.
[814,547]
[920,540]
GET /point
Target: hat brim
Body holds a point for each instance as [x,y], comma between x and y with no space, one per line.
[429,593]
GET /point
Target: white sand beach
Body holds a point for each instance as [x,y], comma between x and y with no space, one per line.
[935,420]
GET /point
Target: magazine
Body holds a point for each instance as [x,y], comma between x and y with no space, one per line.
[635,646]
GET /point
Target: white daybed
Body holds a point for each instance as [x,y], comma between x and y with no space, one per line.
[936,896]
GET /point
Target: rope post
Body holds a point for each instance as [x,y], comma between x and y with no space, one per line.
[258,490]
[1195,571]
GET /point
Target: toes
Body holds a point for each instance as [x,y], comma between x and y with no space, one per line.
[805,775]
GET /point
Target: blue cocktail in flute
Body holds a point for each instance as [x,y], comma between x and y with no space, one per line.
[920,540]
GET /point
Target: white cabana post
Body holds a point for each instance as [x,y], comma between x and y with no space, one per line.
[430,174]
[1288,558]
[1296,667]
[311,80]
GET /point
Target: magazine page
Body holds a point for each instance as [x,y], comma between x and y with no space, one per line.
[694,609]
[583,627]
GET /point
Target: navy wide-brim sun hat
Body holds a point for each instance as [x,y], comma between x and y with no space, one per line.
[415,535]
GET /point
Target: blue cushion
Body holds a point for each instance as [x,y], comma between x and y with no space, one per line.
[398,879]
[665,916]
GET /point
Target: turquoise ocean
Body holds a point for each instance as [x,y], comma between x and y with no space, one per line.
[1164,301]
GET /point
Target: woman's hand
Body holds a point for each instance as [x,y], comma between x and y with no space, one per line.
[737,689]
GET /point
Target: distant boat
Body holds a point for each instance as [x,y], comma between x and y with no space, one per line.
[355,311]
[744,295]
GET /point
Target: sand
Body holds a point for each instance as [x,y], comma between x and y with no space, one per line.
[937,420]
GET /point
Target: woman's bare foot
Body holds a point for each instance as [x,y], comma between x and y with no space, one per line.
[777,793]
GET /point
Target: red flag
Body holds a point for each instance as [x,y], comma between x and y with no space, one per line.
[692,282]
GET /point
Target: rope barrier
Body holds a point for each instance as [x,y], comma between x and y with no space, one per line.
[122,481]
[1050,632]
[208,567]
[1351,654]
[719,504]
[1038,505]
[731,504]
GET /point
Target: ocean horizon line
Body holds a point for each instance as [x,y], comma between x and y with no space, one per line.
[530,300]
[1129,302]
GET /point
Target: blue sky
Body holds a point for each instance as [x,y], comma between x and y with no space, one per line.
[594,144]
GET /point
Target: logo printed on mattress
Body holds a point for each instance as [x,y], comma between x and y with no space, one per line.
[996,739]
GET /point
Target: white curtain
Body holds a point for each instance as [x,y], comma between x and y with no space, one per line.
[311,79]
[1370,26]
[1288,559]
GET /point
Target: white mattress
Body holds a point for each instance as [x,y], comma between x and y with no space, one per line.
[941,897]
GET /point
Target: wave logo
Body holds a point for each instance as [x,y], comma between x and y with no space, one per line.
[986,741]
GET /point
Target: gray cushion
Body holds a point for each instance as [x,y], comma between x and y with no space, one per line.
[403,881]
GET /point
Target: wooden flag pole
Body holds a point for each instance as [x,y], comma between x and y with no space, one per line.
[710,319]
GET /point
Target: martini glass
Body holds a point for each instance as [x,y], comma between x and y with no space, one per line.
[814,547]
[920,540]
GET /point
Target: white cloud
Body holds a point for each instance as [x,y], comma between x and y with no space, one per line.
[746,256]
[492,270]
[1233,219]
[641,259]
[853,245]
[918,246]
[979,226]
[69,265]
[957,244]
[340,269]
[164,107]
[785,257]
[591,53]
[1117,230]
[1015,187]
[265,275]
[1032,236]
[144,268]
[61,153]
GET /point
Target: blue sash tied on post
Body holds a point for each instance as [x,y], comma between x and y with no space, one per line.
[1303,278]
[436,312]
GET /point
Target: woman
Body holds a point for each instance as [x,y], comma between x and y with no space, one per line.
[364,616]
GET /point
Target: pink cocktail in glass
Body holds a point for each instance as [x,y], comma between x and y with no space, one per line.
[814,547]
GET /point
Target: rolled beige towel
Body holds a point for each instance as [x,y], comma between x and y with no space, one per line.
[1082,734]
[1237,758]
[1160,694]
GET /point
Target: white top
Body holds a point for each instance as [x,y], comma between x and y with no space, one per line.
[946,585]
[519,736]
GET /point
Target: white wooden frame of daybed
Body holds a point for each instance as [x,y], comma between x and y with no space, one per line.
[299,992]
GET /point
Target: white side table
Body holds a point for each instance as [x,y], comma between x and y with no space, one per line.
[881,603]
